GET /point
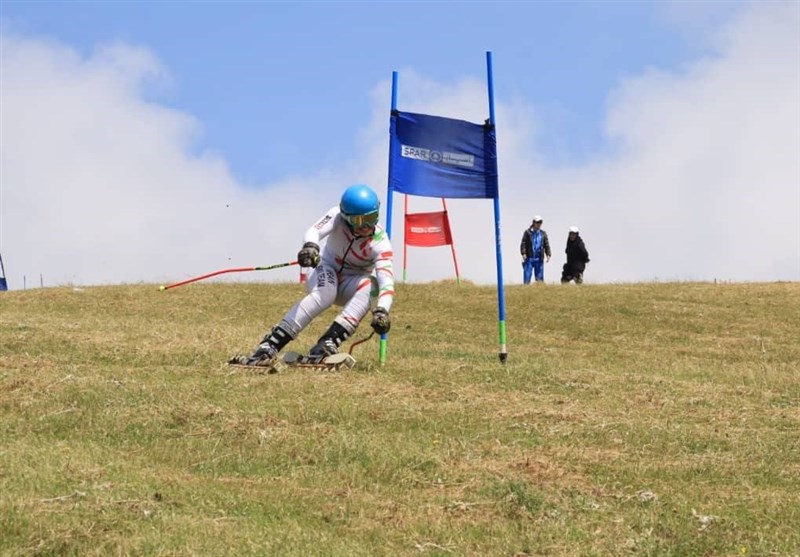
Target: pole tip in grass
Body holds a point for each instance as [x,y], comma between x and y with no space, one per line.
[162,288]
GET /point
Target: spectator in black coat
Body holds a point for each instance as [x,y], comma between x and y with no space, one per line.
[577,257]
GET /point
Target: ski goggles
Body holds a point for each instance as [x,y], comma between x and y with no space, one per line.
[357,221]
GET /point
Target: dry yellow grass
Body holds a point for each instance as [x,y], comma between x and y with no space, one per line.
[641,419]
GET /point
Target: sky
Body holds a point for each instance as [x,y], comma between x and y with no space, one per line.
[151,142]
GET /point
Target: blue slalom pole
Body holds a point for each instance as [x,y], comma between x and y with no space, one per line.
[501,304]
[389,205]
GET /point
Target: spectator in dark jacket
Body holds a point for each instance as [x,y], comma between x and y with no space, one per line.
[577,257]
[535,250]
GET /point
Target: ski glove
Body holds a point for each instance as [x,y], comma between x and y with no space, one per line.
[380,321]
[309,255]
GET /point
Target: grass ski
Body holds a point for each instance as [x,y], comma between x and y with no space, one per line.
[329,363]
[294,359]
[267,366]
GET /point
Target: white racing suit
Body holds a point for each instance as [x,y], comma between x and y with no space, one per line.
[352,270]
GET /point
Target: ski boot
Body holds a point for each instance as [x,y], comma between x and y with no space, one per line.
[265,356]
[325,354]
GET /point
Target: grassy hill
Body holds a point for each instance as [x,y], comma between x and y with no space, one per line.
[642,419]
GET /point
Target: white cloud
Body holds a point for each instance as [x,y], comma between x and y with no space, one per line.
[703,182]
[99,186]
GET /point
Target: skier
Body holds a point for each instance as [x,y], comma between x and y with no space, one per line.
[535,251]
[577,257]
[355,261]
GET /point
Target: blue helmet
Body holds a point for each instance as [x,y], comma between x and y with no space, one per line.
[359,206]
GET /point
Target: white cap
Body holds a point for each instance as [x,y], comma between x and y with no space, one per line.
[574,229]
[537,218]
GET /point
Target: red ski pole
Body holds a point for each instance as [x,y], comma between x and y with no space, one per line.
[223,271]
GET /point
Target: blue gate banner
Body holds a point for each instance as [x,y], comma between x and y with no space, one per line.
[433,156]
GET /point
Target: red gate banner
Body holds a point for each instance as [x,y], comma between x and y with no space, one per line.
[428,229]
